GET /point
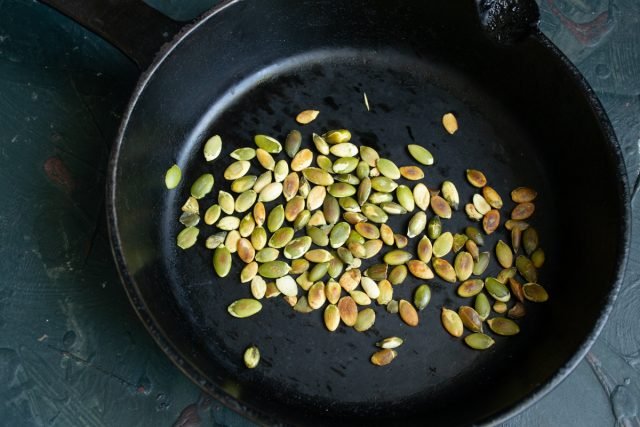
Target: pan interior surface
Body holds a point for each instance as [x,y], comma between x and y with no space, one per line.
[516,125]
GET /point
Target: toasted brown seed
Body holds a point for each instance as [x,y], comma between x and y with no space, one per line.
[420,269]
[290,186]
[291,300]
[450,123]
[383,357]
[357,249]
[386,234]
[523,211]
[516,239]
[259,214]
[444,269]
[368,230]
[425,249]
[516,289]
[440,207]
[332,317]
[470,318]
[350,279]
[476,178]
[472,248]
[470,288]
[463,265]
[348,310]
[505,274]
[538,258]
[518,311]
[472,212]
[302,160]
[523,195]
[386,292]
[332,291]
[492,197]
[316,296]
[530,240]
[503,326]
[318,255]
[246,252]
[534,292]
[491,221]
[412,173]
[451,322]
[265,159]
[408,313]
[512,224]
[526,269]
[299,266]
[504,254]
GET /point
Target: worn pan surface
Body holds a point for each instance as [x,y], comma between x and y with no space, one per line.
[526,118]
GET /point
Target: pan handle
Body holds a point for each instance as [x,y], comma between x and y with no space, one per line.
[508,21]
[132,26]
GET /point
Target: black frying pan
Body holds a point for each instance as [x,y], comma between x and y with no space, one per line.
[526,118]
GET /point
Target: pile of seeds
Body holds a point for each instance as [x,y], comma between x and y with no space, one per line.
[332,205]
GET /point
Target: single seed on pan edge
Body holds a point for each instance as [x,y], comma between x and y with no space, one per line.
[172,177]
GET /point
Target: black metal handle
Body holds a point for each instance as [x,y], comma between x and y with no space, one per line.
[133,27]
[508,21]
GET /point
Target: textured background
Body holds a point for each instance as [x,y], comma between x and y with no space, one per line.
[72,352]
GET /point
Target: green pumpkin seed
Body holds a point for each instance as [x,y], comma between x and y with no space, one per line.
[393,208]
[378,198]
[349,204]
[451,322]
[479,341]
[443,244]
[292,143]
[472,248]
[344,149]
[337,136]
[187,237]
[421,154]
[275,218]
[331,209]
[390,343]
[265,159]
[530,240]
[538,258]
[173,177]
[247,225]
[270,192]
[318,237]
[222,261]
[534,292]
[245,307]
[226,202]
[475,235]
[482,306]
[370,287]
[459,240]
[506,274]
[316,197]
[421,297]
[444,269]
[434,228]
[417,224]
[377,272]
[504,254]
[243,184]
[251,357]
[258,238]
[369,155]
[440,207]
[339,234]
[357,249]
[237,170]
[332,317]
[348,178]
[318,256]
[368,230]
[472,212]
[360,298]
[212,148]
[249,272]
[293,208]
[302,305]
[362,170]
[245,201]
[365,320]
[470,318]
[231,242]
[267,143]
[324,163]
[266,255]
[345,255]
[397,257]
[386,234]
[405,198]
[463,265]
[290,186]
[321,144]
[301,220]
[372,248]
[280,171]
[388,168]
[302,160]
[318,176]
[262,181]
[246,153]
[341,189]
[299,266]
[393,307]
[281,237]
[191,206]
[374,213]
[258,287]
[398,274]
[274,269]
[287,286]
[450,194]
[482,263]
[383,184]
[526,269]
[497,290]
[470,288]
[345,165]
[189,219]
[400,240]
[202,186]
[503,326]
[228,223]
[215,240]
[421,196]
[318,271]
[335,267]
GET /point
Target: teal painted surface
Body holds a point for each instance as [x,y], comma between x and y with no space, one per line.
[72,352]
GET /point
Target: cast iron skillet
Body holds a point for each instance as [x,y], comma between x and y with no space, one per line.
[526,118]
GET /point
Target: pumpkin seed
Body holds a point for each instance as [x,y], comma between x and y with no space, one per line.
[472,212]
[332,317]
[337,136]
[226,202]
[481,204]
[267,255]
[504,254]
[265,159]
[412,173]
[523,195]
[348,178]
[243,184]
[443,244]
[244,307]
[459,241]
[526,269]
[318,237]
[478,341]
[369,155]
[281,237]
[290,186]
[304,282]
[421,154]
[370,287]
[302,306]
[249,272]
[538,258]
[491,221]
[258,287]
[482,306]
[228,223]
[470,288]
[293,208]
[500,307]
[421,196]
[422,296]
[316,296]
[318,256]
[274,269]
[231,242]
[341,189]
[497,290]
[349,205]
[386,292]
[472,248]
[307,116]
[365,320]
[450,194]
[270,192]
[503,326]
[390,343]
[374,213]
[192,206]
[215,240]
[189,219]
[506,274]
[405,198]
[350,280]
[280,171]
[444,269]
[408,313]
[222,261]
[383,184]
[516,239]
[378,198]
[463,265]
[476,178]
[317,219]
[202,186]
[173,177]
[332,291]
[397,257]
[316,197]
[482,263]
[434,228]
[386,234]
[425,249]
[492,197]
[299,265]
[246,153]
[398,274]
[318,271]
[470,318]
[450,123]
[212,148]
[388,168]
[348,310]
[518,311]
[417,224]
[360,297]
[245,201]
[364,190]
[451,322]
[317,176]
[383,357]
[251,357]
[275,218]
[296,248]
[475,235]
[272,291]
[372,248]
[302,160]
[321,144]
[292,143]
[530,240]
[440,207]
[258,238]
[419,269]
[392,307]
[400,240]
[187,237]
[343,149]
[345,165]
[534,292]
[331,209]
[262,181]
[246,252]
[377,271]
[237,170]
[267,143]
[523,211]
[513,224]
